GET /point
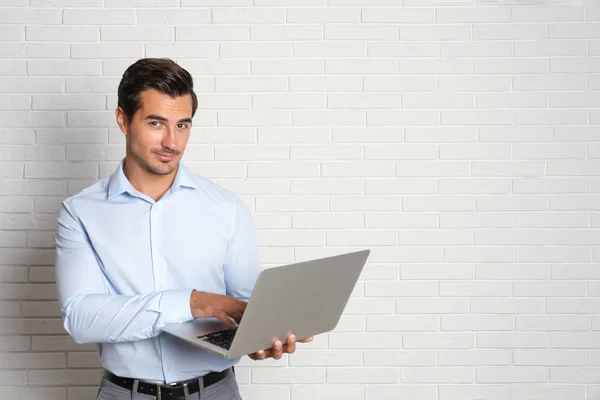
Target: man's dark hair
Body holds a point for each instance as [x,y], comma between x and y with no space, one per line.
[161,74]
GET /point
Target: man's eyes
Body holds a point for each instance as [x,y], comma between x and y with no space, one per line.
[180,126]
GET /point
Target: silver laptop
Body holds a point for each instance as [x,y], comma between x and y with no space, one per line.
[305,298]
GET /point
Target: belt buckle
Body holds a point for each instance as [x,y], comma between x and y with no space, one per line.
[186,391]
[158,392]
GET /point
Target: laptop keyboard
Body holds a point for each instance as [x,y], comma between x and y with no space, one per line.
[222,338]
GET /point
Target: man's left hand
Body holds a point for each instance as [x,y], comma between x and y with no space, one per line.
[279,349]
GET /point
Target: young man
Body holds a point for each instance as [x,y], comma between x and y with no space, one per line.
[155,244]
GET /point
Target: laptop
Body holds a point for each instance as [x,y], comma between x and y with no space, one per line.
[305,298]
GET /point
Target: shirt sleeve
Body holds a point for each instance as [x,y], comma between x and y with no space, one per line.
[242,263]
[91,314]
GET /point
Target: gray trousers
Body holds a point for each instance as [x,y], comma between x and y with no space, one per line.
[225,389]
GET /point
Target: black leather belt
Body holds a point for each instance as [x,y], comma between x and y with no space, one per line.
[171,392]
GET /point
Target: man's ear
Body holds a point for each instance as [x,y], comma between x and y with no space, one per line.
[121,119]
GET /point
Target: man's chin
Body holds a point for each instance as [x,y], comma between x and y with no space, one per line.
[163,168]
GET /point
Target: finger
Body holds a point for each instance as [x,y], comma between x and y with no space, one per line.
[261,354]
[306,340]
[224,318]
[291,343]
[277,350]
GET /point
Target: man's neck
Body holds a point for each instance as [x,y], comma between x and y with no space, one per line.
[152,185]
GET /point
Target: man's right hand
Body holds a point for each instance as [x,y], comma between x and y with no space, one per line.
[213,305]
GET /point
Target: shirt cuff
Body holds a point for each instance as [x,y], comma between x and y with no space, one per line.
[175,306]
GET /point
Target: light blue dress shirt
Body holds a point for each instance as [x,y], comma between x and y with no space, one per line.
[126,266]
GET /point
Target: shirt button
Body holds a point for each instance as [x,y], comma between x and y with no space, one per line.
[169,369]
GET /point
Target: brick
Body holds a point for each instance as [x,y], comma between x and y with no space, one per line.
[66,3]
[215,3]
[478,49]
[391,391]
[32,360]
[360,32]
[474,186]
[403,118]
[327,221]
[250,84]
[513,31]
[475,289]
[362,375]
[324,84]
[574,65]
[400,289]
[313,49]
[512,374]
[506,306]
[513,340]
[548,82]
[550,185]
[472,14]
[547,14]
[107,51]
[400,83]
[272,238]
[397,15]
[549,48]
[514,134]
[404,50]
[13,67]
[441,67]
[402,323]
[360,66]
[511,271]
[554,254]
[243,15]
[345,391]
[574,340]
[437,375]
[442,238]
[211,33]
[420,305]
[286,33]
[288,67]
[475,220]
[328,118]
[384,220]
[460,391]
[366,135]
[61,102]
[291,203]
[34,50]
[438,203]
[12,33]
[64,377]
[49,33]
[407,254]
[26,15]
[548,392]
[140,3]
[435,32]
[545,323]
[98,16]
[439,341]
[288,376]
[437,272]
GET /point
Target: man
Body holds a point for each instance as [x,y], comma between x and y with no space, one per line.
[155,244]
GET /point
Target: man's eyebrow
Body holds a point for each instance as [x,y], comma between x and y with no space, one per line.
[159,118]
[156,117]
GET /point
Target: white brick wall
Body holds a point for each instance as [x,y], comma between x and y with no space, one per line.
[456,139]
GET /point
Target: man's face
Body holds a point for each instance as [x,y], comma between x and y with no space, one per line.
[159,131]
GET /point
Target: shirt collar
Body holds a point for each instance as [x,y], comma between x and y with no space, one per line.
[119,183]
